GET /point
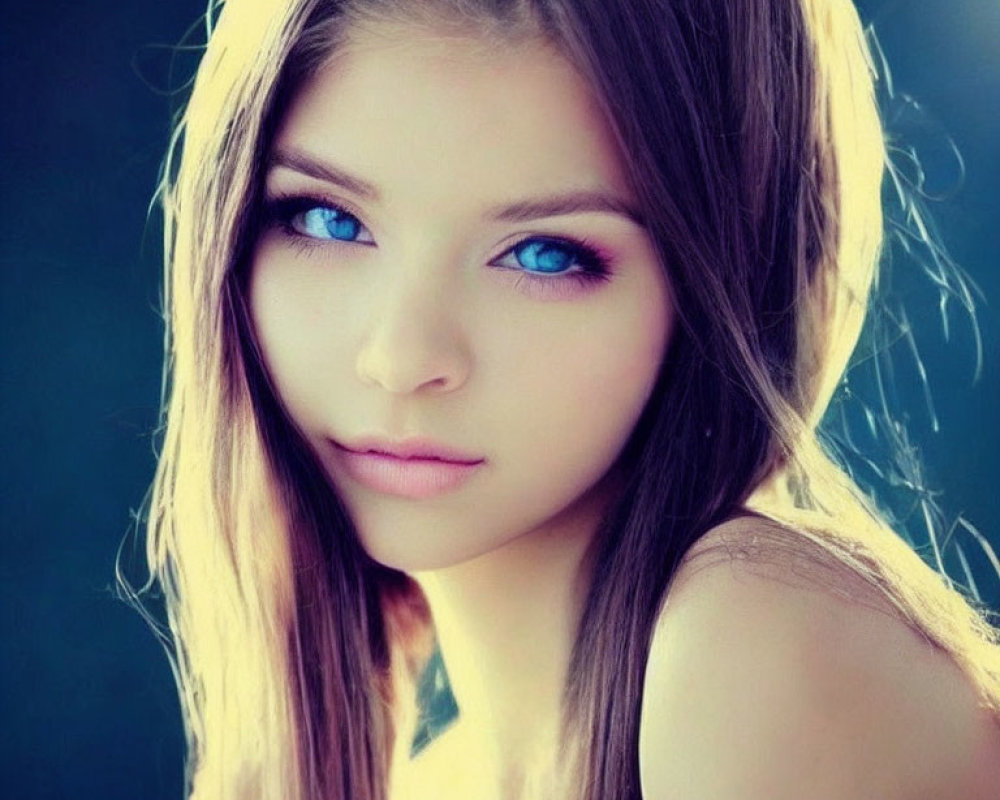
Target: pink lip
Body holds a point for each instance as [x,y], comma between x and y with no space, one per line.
[414,468]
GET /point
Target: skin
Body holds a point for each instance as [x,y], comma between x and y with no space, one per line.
[762,686]
[429,326]
[755,688]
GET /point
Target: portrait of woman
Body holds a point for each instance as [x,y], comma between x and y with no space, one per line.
[505,328]
[499,338]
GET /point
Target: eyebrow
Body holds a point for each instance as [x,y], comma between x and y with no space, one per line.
[573,202]
[306,165]
[556,205]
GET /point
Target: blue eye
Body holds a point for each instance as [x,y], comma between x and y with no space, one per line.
[548,256]
[312,218]
[322,222]
[543,255]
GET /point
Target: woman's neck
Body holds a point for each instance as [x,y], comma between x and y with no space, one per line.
[506,622]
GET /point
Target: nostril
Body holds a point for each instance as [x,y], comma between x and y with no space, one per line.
[403,365]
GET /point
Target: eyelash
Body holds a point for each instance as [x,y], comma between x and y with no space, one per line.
[594,267]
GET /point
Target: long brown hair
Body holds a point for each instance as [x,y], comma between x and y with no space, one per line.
[750,134]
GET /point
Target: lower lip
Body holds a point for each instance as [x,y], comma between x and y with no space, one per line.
[415,478]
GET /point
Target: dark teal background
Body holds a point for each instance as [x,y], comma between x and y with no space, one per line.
[86,698]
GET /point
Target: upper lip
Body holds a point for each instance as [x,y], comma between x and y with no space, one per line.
[415,447]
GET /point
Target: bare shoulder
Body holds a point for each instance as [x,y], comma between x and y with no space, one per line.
[760,686]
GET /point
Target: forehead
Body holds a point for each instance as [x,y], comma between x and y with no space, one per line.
[410,107]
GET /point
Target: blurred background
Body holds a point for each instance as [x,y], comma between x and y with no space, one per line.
[86,696]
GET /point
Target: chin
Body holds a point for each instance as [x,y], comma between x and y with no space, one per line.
[413,551]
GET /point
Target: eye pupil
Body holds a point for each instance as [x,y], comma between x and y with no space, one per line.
[541,256]
[331,223]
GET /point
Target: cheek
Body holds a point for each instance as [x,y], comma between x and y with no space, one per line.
[280,333]
[579,397]
[295,315]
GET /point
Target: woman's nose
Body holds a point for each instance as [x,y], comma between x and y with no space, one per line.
[413,340]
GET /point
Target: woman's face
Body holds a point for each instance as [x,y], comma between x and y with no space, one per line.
[449,258]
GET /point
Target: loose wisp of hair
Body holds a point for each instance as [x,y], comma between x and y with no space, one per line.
[750,133]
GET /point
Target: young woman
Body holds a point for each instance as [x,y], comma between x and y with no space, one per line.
[505,328]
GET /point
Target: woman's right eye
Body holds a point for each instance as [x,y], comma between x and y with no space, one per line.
[317,219]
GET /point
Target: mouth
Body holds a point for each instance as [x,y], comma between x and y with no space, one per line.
[413,469]
[416,448]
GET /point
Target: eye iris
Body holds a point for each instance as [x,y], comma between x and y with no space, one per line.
[544,257]
[330,223]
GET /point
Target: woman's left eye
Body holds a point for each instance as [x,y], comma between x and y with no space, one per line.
[548,256]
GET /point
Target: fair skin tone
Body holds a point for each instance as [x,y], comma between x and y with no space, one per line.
[395,293]
[426,322]
[762,686]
